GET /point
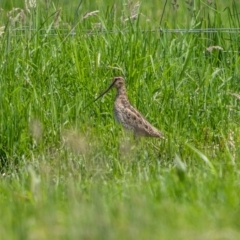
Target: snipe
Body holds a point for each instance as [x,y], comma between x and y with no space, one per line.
[127,115]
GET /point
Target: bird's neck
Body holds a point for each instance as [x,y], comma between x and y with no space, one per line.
[121,92]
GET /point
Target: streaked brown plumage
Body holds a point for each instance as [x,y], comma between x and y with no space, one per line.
[127,115]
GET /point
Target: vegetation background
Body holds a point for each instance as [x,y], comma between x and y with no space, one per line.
[68,171]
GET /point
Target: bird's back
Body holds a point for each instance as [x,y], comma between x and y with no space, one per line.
[133,120]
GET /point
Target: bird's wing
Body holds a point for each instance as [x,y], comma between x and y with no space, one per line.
[133,119]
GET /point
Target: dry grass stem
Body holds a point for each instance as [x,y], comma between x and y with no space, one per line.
[17,16]
[211,48]
[2,29]
[90,14]
[75,141]
[30,4]
[36,129]
[57,18]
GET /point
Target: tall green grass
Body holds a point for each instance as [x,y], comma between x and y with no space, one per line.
[68,171]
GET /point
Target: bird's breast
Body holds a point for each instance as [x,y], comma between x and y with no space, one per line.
[117,111]
[121,116]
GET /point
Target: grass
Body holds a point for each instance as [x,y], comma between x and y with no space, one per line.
[68,171]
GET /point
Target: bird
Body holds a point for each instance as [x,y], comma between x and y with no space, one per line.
[127,115]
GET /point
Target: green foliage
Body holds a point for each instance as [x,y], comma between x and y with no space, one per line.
[68,171]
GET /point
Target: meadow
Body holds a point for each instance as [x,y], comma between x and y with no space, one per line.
[68,170]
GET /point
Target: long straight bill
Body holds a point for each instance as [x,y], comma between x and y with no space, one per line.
[105,91]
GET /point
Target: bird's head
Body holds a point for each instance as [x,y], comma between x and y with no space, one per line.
[117,82]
